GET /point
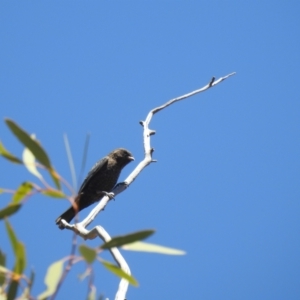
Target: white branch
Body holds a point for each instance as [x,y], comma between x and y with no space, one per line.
[79,228]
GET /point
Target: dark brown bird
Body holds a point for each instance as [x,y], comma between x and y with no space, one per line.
[102,178]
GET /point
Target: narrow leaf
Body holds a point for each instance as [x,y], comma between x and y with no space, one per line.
[119,272]
[2,264]
[127,239]
[52,278]
[54,193]
[18,248]
[2,259]
[23,190]
[21,259]
[30,164]
[8,155]
[9,210]
[35,148]
[147,247]
[89,254]
[12,237]
[55,178]
[29,143]
[12,290]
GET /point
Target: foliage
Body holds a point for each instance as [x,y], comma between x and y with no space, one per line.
[34,157]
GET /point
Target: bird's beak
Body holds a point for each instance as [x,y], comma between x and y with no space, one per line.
[130,157]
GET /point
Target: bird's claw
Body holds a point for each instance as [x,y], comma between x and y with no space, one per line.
[109,195]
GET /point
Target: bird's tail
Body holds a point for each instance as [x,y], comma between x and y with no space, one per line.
[68,215]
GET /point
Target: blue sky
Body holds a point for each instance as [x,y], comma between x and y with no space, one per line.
[226,185]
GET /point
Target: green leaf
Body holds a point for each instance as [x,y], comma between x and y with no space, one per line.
[147,247]
[1,191]
[52,278]
[127,239]
[9,210]
[35,148]
[8,155]
[54,193]
[29,143]
[21,259]
[55,178]
[18,248]
[2,264]
[89,254]
[30,164]
[12,237]
[2,259]
[12,290]
[23,190]
[119,272]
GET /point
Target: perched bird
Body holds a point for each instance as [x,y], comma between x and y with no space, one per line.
[102,178]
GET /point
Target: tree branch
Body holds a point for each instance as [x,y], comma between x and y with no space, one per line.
[80,228]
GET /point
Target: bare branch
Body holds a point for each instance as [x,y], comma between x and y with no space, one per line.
[80,228]
[119,188]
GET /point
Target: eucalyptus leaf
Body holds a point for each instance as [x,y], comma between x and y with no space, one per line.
[12,290]
[23,190]
[29,143]
[127,239]
[18,248]
[35,148]
[147,247]
[54,193]
[30,164]
[52,278]
[89,254]
[2,265]
[9,210]
[6,154]
[119,272]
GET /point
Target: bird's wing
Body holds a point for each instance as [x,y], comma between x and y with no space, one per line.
[101,164]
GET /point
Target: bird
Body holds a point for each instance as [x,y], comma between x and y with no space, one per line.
[100,180]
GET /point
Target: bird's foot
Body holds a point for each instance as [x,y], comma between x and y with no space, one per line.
[63,224]
[109,195]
